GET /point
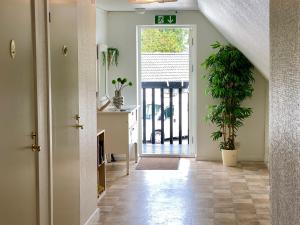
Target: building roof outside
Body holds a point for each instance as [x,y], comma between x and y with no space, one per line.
[162,67]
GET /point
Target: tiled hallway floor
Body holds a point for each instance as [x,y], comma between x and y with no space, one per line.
[199,193]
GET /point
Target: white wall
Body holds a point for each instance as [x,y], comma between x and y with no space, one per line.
[267,126]
[87,109]
[101,26]
[122,35]
[285,112]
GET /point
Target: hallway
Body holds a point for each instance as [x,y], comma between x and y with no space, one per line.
[199,193]
[214,82]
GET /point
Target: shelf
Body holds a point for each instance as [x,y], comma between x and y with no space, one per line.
[101,179]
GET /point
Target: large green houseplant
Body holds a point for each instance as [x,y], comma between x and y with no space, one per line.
[230,81]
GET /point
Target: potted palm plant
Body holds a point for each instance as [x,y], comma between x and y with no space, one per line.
[230,81]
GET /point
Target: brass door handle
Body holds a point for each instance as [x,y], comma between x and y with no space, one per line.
[36,148]
[79,126]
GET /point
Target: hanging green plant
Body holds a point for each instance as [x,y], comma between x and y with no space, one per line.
[112,56]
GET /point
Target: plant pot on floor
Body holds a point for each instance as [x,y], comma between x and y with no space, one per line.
[229,157]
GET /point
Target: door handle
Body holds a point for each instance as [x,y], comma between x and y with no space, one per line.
[35,147]
[78,126]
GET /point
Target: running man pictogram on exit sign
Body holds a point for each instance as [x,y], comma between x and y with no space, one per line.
[165,19]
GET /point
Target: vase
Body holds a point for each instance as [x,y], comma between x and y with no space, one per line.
[118,100]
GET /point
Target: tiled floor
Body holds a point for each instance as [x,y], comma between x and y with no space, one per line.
[199,193]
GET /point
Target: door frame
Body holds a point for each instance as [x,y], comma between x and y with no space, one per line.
[43,120]
[192,86]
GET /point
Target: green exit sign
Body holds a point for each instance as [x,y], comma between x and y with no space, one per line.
[165,19]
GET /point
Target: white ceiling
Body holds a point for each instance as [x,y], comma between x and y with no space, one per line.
[245,24]
[123,5]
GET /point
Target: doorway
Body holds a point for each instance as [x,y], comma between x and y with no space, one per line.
[166,74]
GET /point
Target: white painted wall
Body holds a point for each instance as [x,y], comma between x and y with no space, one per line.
[101,26]
[87,108]
[122,35]
[285,112]
[267,126]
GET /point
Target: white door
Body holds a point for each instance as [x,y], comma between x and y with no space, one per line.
[18,186]
[64,94]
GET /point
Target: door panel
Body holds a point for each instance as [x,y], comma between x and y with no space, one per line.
[18,187]
[64,93]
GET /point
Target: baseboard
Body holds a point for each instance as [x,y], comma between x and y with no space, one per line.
[199,158]
[267,163]
[91,217]
[214,159]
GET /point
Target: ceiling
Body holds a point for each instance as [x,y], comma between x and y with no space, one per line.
[245,24]
[123,5]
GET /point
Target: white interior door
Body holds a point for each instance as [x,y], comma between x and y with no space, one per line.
[64,94]
[18,187]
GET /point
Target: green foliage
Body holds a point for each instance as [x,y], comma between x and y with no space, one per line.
[112,56]
[230,80]
[121,83]
[164,40]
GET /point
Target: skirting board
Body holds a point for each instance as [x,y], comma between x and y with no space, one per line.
[240,160]
[91,217]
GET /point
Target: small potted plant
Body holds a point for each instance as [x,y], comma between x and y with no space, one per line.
[230,81]
[120,84]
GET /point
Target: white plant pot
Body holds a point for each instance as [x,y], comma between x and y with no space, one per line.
[229,157]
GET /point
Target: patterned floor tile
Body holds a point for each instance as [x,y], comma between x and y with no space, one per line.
[199,193]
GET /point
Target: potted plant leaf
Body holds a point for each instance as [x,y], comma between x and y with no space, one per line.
[120,84]
[230,82]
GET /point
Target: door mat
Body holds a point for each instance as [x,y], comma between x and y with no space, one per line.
[155,163]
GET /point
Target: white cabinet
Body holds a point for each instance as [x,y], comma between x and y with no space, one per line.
[121,131]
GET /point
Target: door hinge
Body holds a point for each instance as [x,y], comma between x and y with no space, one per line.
[192,68]
[192,140]
[192,41]
[49,16]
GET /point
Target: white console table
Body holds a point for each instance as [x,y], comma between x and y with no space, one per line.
[120,131]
